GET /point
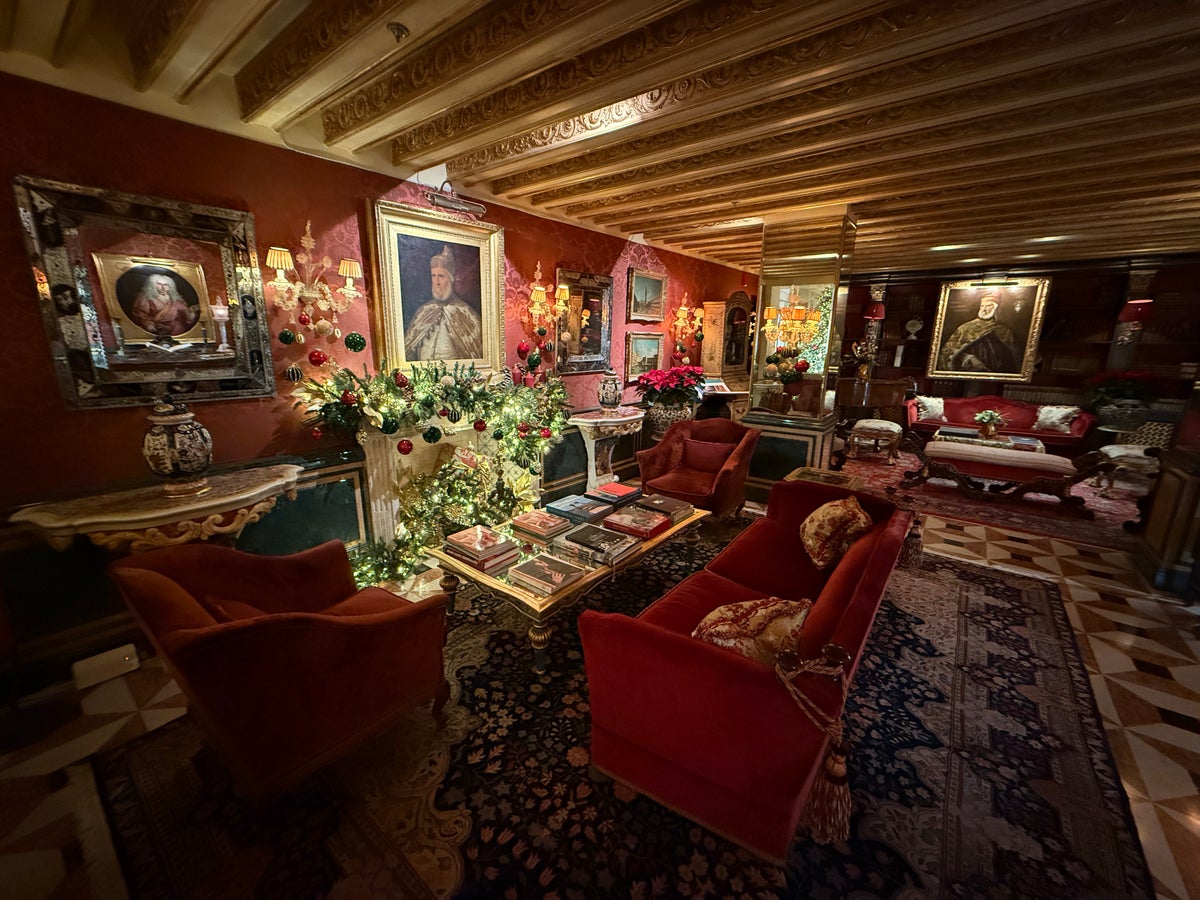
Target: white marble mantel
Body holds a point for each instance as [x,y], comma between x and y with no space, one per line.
[147,517]
[600,430]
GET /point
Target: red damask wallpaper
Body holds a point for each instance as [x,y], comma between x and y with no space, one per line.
[74,138]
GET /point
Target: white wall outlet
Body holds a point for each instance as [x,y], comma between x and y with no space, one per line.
[104,666]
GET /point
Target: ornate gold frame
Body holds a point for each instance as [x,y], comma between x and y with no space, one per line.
[399,231]
[1021,307]
[112,266]
[630,337]
[659,309]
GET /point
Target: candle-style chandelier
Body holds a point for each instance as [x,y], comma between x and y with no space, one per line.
[308,290]
[688,321]
[793,322]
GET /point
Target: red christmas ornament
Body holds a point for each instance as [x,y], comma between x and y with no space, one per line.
[523,349]
[677,356]
[523,426]
[303,318]
[802,365]
[541,346]
[405,446]
[443,412]
[401,379]
[480,425]
[317,434]
[318,357]
[546,433]
[348,397]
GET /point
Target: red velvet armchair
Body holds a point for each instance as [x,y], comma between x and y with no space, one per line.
[285,664]
[702,462]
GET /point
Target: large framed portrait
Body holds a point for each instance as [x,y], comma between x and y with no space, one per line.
[155,300]
[988,330]
[441,287]
[643,350]
[647,301]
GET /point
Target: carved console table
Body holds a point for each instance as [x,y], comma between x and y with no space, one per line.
[144,518]
[601,429]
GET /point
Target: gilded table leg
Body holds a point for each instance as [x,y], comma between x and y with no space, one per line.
[450,583]
[691,540]
[539,637]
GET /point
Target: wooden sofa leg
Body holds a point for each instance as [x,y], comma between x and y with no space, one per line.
[439,704]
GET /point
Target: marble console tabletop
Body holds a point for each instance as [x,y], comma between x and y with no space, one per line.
[146,517]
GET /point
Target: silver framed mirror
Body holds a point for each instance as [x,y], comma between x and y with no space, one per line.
[585,330]
[143,297]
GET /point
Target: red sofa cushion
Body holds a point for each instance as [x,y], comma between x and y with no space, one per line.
[768,558]
[707,456]
[690,485]
[681,609]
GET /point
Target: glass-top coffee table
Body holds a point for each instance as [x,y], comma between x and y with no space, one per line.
[539,608]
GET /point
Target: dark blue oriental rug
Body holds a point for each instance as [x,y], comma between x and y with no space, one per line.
[979,769]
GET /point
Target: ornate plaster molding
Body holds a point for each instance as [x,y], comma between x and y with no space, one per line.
[154,36]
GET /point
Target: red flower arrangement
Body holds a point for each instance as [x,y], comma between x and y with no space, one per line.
[671,387]
[1129,384]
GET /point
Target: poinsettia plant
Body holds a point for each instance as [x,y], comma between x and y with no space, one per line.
[676,386]
[1128,384]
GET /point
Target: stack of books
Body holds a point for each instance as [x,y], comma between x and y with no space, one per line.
[593,545]
[539,526]
[678,510]
[545,574]
[579,509]
[615,493]
[637,520]
[482,548]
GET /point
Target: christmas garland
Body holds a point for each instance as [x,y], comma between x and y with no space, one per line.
[517,424]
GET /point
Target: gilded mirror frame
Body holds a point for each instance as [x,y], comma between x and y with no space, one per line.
[585,348]
[93,252]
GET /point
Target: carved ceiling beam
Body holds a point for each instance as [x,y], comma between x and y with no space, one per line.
[506,41]
[833,63]
[662,51]
[329,45]
[1018,178]
[932,125]
[857,167]
[73,24]
[8,19]
[155,35]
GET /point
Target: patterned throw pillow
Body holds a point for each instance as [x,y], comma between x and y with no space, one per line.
[829,530]
[1055,418]
[757,629]
[930,409]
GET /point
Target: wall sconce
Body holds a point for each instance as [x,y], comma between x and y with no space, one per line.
[308,289]
[688,321]
[1129,322]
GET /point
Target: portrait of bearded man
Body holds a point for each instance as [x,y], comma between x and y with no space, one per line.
[982,344]
[445,326]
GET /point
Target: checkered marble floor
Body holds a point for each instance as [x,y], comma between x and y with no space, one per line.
[1142,651]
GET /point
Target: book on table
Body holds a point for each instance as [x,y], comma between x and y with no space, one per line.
[598,544]
[479,542]
[579,509]
[638,521]
[488,565]
[678,510]
[539,523]
[545,573]
[615,493]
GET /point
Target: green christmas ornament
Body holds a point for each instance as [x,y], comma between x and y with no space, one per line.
[498,434]
[541,331]
[389,425]
[427,401]
[535,360]
[432,434]
[355,342]
[287,336]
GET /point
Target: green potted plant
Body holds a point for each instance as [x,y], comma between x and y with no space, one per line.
[671,394]
[989,421]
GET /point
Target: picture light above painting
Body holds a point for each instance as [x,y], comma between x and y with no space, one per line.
[144,297]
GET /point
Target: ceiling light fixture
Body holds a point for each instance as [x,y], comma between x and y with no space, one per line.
[1050,239]
[941,247]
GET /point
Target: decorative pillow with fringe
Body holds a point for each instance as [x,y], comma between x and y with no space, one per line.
[757,629]
[1056,418]
[930,409]
[830,529]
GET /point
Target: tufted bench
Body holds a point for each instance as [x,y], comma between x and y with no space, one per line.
[1129,458]
[1007,473]
[876,431]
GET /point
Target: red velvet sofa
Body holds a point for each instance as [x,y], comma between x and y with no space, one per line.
[1019,419]
[713,734]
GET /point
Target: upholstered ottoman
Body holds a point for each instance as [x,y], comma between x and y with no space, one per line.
[1129,458]
[877,431]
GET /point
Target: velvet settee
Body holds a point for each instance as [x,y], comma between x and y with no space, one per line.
[714,734]
[285,663]
[1020,418]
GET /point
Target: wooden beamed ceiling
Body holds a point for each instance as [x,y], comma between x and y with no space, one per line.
[1010,130]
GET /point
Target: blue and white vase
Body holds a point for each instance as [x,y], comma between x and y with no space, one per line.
[177,448]
[609,392]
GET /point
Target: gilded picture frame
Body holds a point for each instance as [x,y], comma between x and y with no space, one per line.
[643,352]
[441,287]
[987,330]
[129,285]
[646,294]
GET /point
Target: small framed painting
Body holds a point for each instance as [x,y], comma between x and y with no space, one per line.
[643,350]
[154,299]
[647,293]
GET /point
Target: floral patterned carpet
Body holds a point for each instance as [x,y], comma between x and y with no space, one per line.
[979,769]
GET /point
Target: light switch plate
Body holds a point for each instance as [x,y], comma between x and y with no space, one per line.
[104,666]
